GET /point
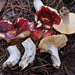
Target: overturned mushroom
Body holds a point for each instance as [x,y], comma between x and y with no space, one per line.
[29,54]
[67,24]
[45,16]
[13,58]
[52,44]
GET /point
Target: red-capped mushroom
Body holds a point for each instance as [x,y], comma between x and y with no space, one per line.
[21,29]
[45,16]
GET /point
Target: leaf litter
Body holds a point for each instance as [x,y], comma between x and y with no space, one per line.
[12,10]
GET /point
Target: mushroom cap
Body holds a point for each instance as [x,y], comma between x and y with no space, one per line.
[66,28]
[47,16]
[58,41]
[21,29]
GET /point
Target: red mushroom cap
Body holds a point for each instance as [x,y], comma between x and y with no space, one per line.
[47,16]
[5,25]
[23,25]
[38,33]
[21,29]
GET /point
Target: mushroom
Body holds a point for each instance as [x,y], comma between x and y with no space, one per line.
[67,24]
[29,54]
[13,58]
[45,16]
[52,44]
[21,29]
[14,36]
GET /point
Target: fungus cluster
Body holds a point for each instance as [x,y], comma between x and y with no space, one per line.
[47,18]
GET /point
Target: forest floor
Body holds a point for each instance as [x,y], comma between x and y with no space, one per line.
[12,10]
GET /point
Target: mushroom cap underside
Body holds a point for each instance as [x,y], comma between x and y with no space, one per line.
[66,28]
[58,41]
[19,37]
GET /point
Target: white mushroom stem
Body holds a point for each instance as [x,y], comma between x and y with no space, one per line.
[13,58]
[37,4]
[55,57]
[29,54]
[64,13]
[66,19]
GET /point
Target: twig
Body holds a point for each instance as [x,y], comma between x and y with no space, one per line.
[66,70]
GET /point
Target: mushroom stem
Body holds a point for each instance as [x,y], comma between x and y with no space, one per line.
[29,54]
[13,58]
[55,57]
[37,4]
[64,13]
[66,19]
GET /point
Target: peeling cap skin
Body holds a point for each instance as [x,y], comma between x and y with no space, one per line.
[46,16]
[67,24]
[52,44]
